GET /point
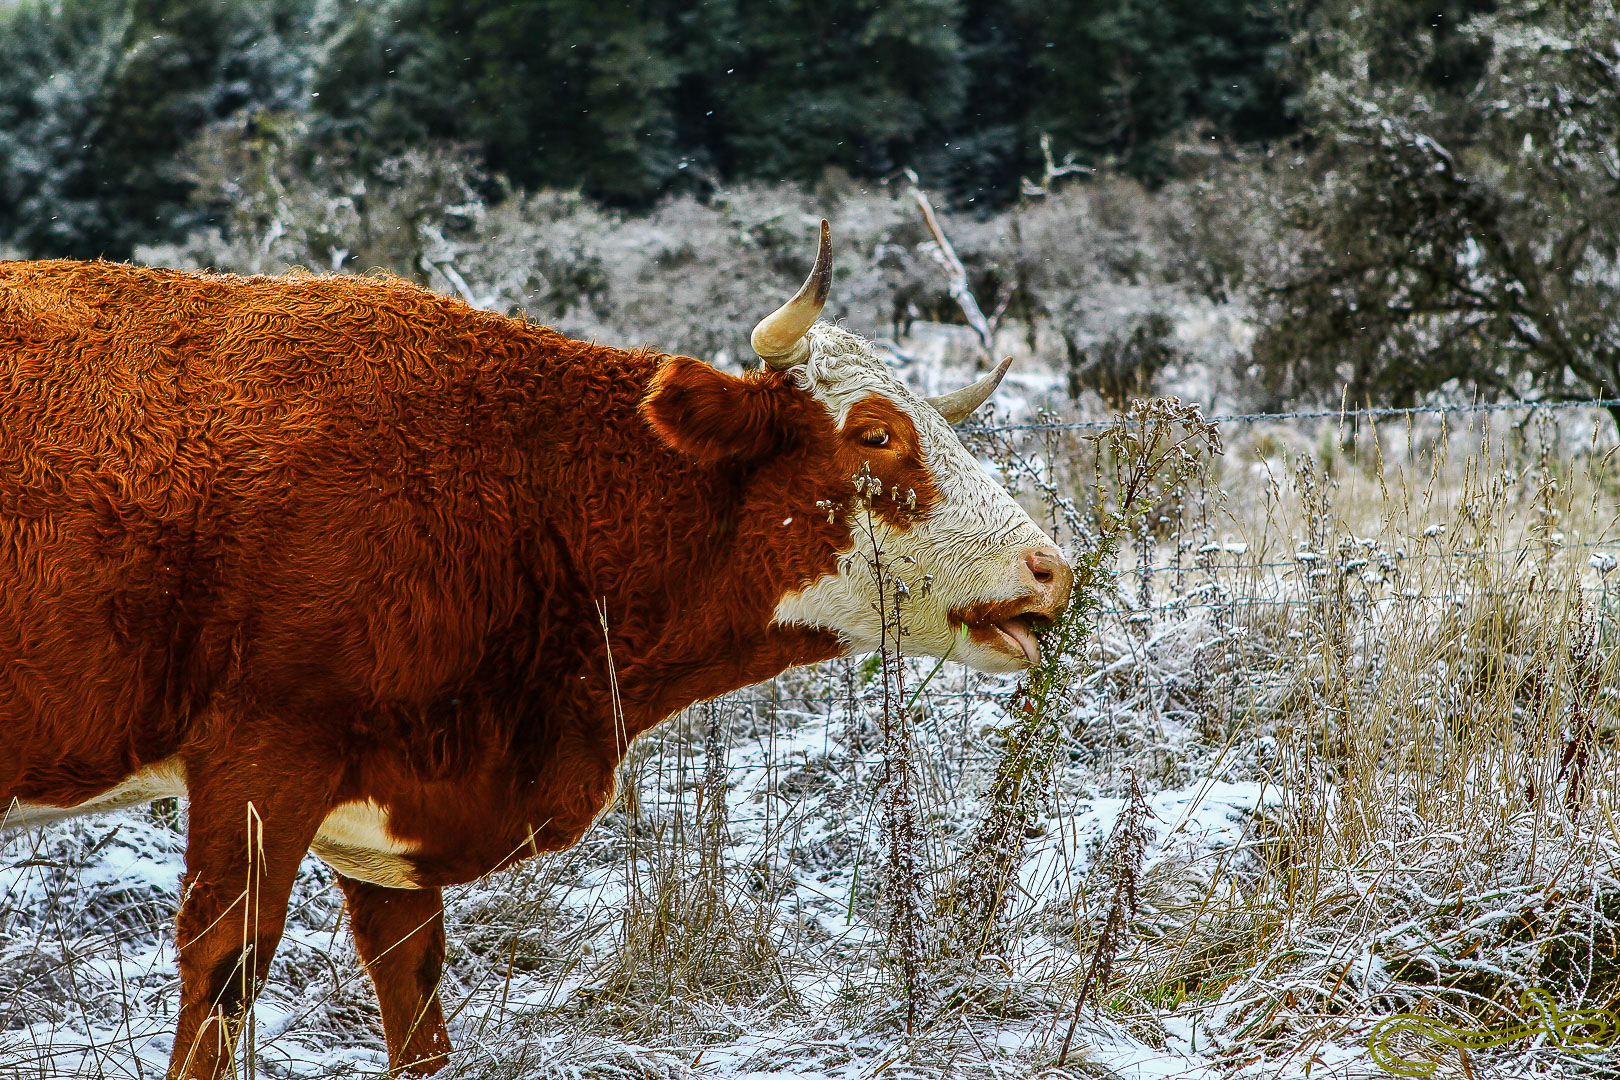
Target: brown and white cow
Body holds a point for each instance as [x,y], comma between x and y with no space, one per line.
[359,569]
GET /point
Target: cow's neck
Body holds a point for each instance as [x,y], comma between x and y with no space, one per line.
[684,564]
[709,629]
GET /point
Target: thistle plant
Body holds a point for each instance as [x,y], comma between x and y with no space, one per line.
[904,855]
[1121,869]
[1144,459]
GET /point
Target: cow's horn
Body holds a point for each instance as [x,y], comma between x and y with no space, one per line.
[779,337]
[958,405]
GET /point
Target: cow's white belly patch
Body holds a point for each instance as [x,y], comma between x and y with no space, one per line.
[354,840]
[165,779]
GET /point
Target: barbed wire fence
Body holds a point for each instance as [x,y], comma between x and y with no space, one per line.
[1344,415]
[1236,567]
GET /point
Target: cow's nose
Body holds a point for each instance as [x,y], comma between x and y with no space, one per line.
[1052,577]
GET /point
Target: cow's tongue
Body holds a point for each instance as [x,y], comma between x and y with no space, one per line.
[1019,630]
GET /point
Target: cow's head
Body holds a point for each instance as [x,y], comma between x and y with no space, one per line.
[872,489]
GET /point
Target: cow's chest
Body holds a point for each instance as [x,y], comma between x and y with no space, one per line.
[359,840]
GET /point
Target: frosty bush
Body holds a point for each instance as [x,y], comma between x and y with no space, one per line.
[1433,214]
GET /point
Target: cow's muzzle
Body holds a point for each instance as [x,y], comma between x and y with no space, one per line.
[1009,626]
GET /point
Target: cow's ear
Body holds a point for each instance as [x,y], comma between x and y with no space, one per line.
[713,417]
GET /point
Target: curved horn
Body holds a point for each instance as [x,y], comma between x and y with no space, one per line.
[779,337]
[958,405]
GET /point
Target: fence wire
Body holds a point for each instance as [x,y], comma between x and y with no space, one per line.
[1319,414]
[1383,581]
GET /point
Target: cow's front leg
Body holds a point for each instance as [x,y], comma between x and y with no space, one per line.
[250,826]
[399,934]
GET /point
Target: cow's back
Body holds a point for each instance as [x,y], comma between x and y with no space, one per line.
[308,480]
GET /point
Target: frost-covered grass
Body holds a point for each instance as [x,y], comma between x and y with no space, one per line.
[1365,681]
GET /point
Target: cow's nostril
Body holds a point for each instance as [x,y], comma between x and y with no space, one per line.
[1050,574]
[1042,565]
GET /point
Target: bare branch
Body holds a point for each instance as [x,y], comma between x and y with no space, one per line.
[955,272]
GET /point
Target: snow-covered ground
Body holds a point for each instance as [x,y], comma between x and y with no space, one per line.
[91,987]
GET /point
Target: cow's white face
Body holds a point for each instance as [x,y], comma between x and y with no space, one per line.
[863,500]
[975,573]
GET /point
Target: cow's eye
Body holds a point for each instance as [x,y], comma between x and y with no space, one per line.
[876,437]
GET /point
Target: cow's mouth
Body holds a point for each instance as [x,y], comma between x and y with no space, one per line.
[1009,627]
[1018,633]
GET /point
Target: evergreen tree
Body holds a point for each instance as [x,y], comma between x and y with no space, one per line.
[800,85]
[620,99]
[56,64]
[386,81]
[556,93]
[98,98]
[1114,79]
[988,145]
